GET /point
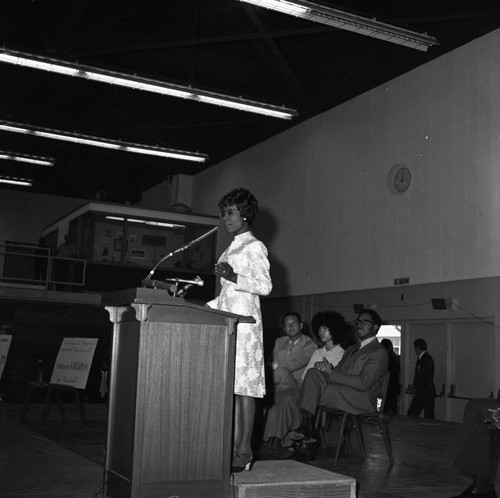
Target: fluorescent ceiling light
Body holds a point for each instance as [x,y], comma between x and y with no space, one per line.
[100,142]
[26,158]
[24,182]
[145,222]
[350,22]
[144,84]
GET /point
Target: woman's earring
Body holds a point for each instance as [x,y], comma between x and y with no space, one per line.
[244,219]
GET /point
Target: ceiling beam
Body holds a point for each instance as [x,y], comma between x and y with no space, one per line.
[213,40]
[123,14]
[285,70]
[68,27]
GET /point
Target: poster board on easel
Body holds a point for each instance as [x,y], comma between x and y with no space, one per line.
[73,362]
[5,341]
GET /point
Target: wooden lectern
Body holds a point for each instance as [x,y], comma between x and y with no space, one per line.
[171,397]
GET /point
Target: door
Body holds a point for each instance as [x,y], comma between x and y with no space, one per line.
[472,364]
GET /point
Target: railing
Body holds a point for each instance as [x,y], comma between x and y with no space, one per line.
[29,265]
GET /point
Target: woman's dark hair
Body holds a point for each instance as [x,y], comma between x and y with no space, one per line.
[335,323]
[246,202]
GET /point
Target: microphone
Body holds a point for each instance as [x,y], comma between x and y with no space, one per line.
[183,248]
[197,281]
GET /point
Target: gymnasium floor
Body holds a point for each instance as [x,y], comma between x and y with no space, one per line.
[65,460]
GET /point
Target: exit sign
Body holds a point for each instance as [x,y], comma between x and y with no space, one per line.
[402,281]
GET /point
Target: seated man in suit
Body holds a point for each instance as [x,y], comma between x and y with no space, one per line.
[353,385]
[473,455]
[291,353]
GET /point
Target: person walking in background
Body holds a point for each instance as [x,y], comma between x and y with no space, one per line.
[394,387]
[423,389]
[243,269]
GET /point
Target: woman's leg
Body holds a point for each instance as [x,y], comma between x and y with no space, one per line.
[237,424]
[244,414]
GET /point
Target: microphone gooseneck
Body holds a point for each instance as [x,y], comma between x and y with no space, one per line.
[183,248]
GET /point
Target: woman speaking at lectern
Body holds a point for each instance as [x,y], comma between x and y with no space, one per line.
[244,271]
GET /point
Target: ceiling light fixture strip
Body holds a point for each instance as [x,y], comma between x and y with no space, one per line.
[99,142]
[27,158]
[144,84]
[350,22]
[23,182]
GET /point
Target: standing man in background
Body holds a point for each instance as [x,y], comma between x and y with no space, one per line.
[424,391]
[64,267]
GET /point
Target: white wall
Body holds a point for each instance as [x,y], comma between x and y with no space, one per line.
[331,223]
[176,189]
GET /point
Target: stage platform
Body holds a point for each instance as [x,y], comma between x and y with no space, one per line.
[290,479]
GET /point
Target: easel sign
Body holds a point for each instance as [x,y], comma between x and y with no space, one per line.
[5,341]
[73,362]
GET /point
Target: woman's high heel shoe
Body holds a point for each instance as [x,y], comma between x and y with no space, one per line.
[242,462]
[236,464]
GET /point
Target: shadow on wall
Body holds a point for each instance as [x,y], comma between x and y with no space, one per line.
[265,228]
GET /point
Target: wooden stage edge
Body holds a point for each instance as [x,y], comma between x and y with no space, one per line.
[289,479]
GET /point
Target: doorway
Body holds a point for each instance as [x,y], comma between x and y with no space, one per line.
[464,363]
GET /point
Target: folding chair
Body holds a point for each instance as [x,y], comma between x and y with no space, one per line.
[350,421]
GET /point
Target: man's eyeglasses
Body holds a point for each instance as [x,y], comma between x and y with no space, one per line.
[362,322]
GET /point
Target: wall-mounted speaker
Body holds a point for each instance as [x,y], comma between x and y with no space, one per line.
[441,304]
[358,308]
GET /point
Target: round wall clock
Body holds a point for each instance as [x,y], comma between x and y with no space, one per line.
[399,179]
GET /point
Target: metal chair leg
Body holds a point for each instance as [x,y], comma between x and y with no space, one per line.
[384,430]
[341,438]
[359,436]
